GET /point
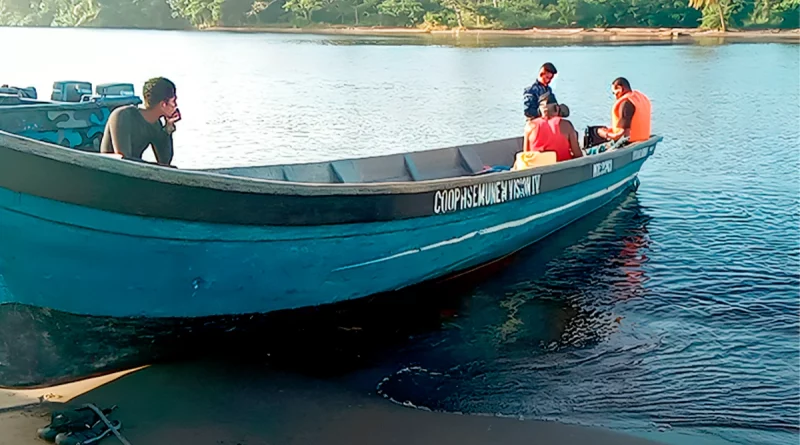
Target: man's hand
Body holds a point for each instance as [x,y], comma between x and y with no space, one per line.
[170,125]
[609,135]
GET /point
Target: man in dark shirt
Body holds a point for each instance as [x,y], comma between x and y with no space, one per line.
[130,130]
[532,94]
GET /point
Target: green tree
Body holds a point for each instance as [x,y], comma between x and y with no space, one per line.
[304,7]
[75,12]
[138,14]
[716,13]
[200,13]
[408,11]
[565,11]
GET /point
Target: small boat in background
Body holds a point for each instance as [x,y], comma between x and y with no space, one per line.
[73,117]
[89,235]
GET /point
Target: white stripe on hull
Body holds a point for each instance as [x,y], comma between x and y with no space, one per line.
[497,228]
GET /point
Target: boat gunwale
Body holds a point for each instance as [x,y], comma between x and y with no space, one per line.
[50,105]
[243,184]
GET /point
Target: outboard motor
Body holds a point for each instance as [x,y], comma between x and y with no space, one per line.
[70,91]
[115,89]
[113,92]
[25,93]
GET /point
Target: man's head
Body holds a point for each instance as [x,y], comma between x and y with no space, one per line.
[620,86]
[159,94]
[548,107]
[546,73]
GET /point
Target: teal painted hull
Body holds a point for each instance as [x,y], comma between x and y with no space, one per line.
[92,262]
[109,263]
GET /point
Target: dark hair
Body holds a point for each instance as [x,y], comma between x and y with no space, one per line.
[156,90]
[547,98]
[550,68]
[623,82]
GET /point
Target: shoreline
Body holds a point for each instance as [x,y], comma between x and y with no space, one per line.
[575,34]
[213,403]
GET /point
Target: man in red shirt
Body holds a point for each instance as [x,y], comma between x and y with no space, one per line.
[551,132]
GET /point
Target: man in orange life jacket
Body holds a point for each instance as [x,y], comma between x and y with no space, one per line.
[551,132]
[630,115]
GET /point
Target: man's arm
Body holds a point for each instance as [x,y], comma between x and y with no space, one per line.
[624,123]
[527,135]
[531,97]
[627,116]
[162,148]
[572,136]
[530,103]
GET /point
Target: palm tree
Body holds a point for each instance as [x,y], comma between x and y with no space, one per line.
[702,5]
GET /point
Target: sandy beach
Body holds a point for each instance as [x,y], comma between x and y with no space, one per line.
[216,404]
[575,34]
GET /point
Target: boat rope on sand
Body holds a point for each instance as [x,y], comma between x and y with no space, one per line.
[83,425]
[108,423]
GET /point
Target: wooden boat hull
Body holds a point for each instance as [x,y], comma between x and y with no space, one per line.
[86,261]
[41,347]
[87,235]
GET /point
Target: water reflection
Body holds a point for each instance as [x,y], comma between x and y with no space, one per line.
[554,301]
[570,332]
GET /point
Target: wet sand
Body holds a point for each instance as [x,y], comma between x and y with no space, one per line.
[219,404]
[629,35]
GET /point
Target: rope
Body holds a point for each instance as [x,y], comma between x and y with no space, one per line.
[107,422]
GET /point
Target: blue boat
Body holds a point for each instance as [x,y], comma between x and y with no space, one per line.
[73,117]
[89,235]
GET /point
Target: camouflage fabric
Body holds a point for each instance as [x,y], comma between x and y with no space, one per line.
[78,125]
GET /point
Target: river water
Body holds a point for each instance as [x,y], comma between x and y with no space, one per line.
[673,314]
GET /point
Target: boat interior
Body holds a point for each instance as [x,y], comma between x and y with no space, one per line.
[442,163]
[464,160]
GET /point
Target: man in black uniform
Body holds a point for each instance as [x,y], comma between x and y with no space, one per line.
[130,130]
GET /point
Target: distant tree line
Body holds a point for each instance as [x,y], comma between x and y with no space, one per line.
[431,14]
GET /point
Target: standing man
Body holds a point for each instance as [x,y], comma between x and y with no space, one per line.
[630,115]
[130,130]
[532,94]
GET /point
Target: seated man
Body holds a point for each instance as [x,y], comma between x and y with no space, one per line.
[130,130]
[552,132]
[630,115]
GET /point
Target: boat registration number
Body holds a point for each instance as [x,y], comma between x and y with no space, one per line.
[601,168]
[640,153]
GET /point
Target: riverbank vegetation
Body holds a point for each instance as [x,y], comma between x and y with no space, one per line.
[429,14]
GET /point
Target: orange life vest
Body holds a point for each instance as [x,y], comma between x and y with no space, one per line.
[640,124]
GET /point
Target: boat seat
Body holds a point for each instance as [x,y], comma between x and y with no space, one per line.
[471,160]
[413,171]
[530,159]
[290,175]
[346,171]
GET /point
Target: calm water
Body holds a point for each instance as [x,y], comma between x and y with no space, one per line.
[672,315]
